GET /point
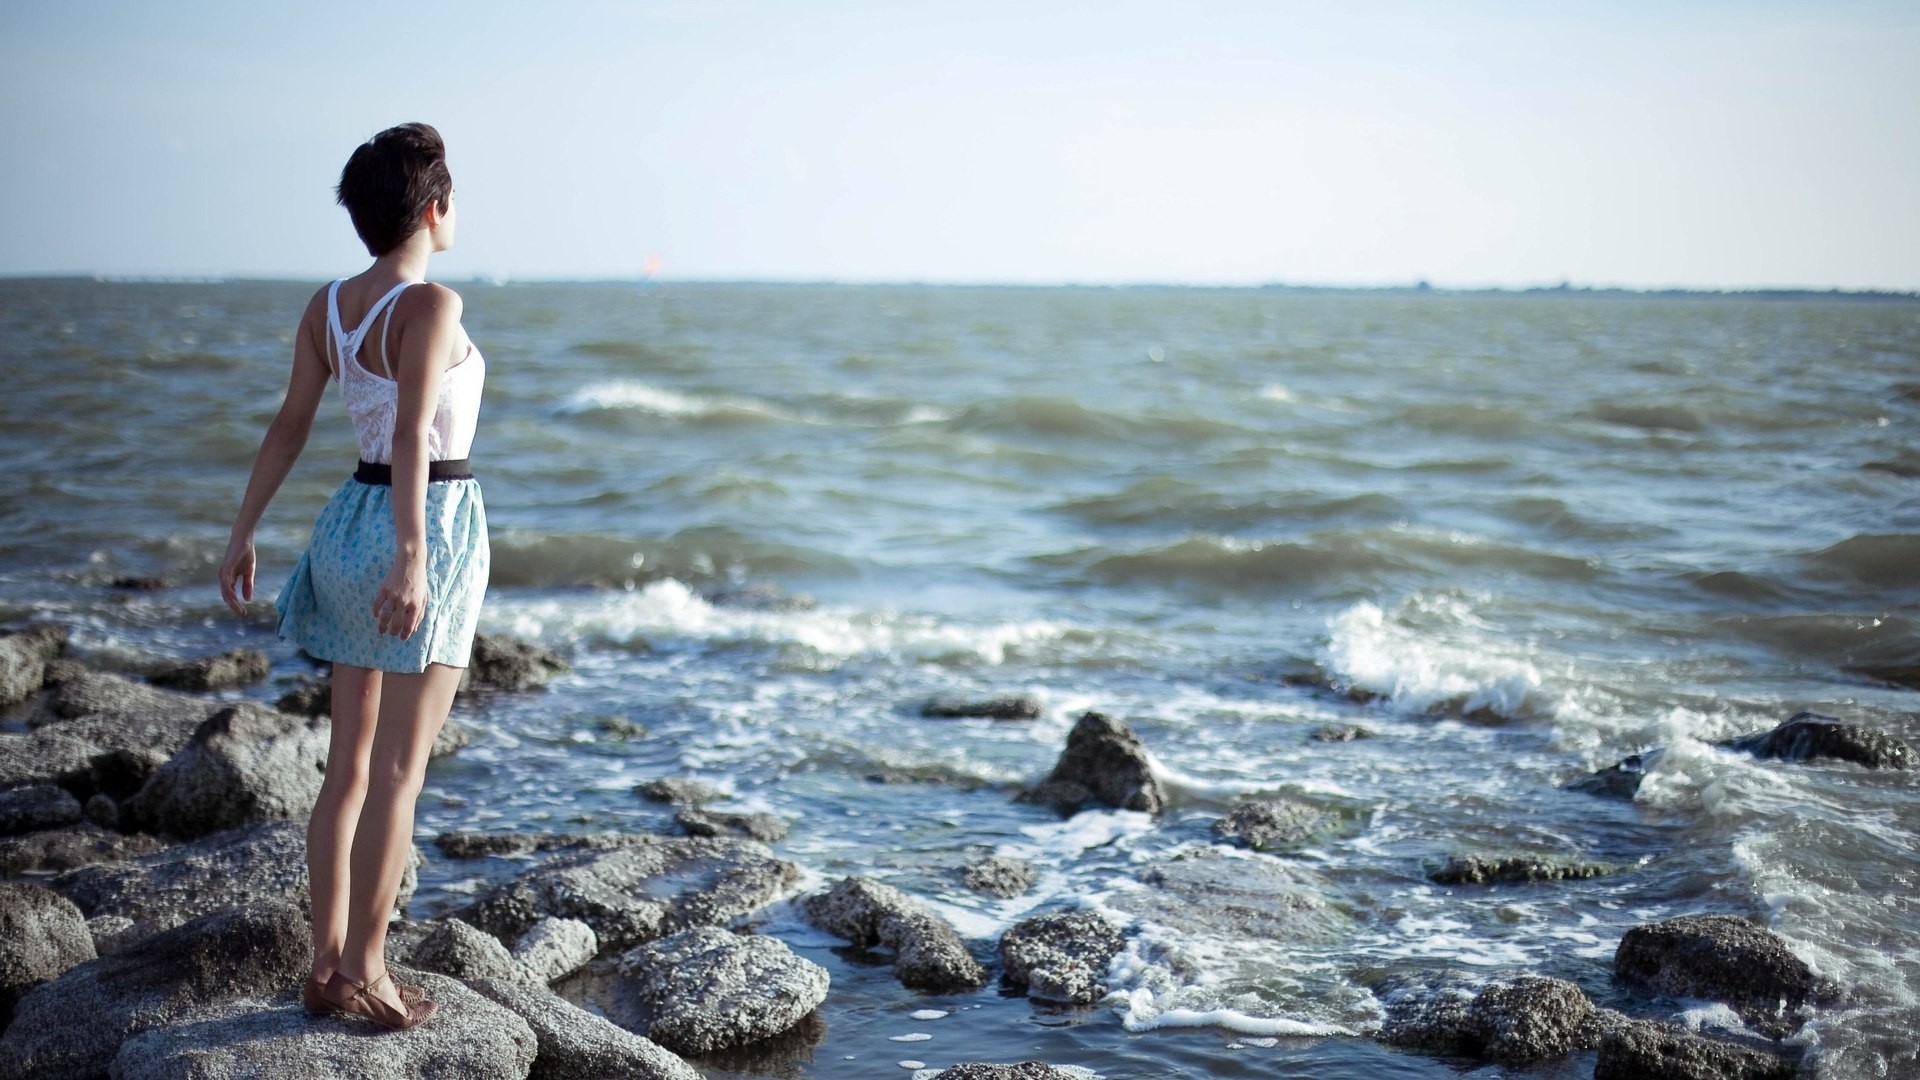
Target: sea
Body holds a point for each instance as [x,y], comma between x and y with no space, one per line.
[1514,537]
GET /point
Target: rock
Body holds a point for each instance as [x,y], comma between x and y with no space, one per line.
[619,727]
[238,667]
[1621,780]
[1026,1070]
[452,736]
[111,933]
[678,790]
[308,697]
[1340,733]
[64,849]
[761,596]
[243,764]
[468,1038]
[46,757]
[120,772]
[928,954]
[179,883]
[36,806]
[464,951]
[1512,869]
[998,875]
[1902,675]
[1000,708]
[102,810]
[1722,958]
[1104,762]
[506,664]
[639,891]
[1221,893]
[24,655]
[1275,825]
[574,1044]
[554,948]
[115,713]
[41,935]
[1531,1018]
[1429,1012]
[256,949]
[1062,957]
[1808,736]
[707,989]
[132,583]
[1644,1050]
[1323,684]
[465,844]
[762,827]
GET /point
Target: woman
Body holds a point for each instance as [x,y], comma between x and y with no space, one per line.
[389,588]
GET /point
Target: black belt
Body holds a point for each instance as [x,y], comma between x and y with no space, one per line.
[375,472]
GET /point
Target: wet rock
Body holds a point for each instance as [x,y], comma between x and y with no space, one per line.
[928,954]
[1809,736]
[36,806]
[1026,1070]
[554,948]
[115,713]
[132,583]
[308,697]
[1620,780]
[999,708]
[1512,869]
[1322,683]
[1644,1050]
[998,875]
[1222,893]
[505,664]
[464,951]
[237,667]
[677,790]
[1061,957]
[762,827]
[64,849]
[63,670]
[1531,1018]
[466,844]
[706,989]
[762,596]
[41,935]
[24,656]
[179,883]
[638,892]
[1722,958]
[468,1038]
[257,949]
[1903,675]
[1275,825]
[1340,733]
[1430,1012]
[574,1044]
[452,736]
[243,764]
[1104,762]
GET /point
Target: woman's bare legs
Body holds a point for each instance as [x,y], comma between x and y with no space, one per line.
[412,709]
[330,829]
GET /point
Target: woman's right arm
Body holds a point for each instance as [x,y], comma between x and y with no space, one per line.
[286,437]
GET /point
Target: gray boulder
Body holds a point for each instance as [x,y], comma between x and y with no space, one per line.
[928,954]
[1276,825]
[257,949]
[1220,893]
[115,713]
[574,1044]
[238,667]
[762,827]
[111,933]
[1061,957]
[1810,736]
[1620,780]
[464,951]
[1431,1012]
[468,1038]
[1644,1050]
[243,764]
[1721,958]
[998,875]
[707,989]
[999,708]
[554,948]
[41,935]
[64,849]
[677,790]
[1026,1070]
[37,806]
[24,656]
[505,664]
[47,756]
[1531,1018]
[1104,762]
[1512,869]
[637,892]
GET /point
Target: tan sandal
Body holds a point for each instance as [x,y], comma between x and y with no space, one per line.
[364,1004]
[315,1001]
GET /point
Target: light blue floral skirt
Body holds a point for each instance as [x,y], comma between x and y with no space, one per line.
[326,607]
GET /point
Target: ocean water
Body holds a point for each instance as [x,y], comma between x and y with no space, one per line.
[767,523]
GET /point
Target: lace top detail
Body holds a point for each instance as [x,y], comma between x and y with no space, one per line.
[373,400]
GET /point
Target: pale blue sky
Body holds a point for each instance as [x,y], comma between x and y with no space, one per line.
[1717,144]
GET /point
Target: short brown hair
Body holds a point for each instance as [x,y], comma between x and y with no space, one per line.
[389,181]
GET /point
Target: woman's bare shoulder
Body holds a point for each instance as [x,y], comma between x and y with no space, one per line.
[430,301]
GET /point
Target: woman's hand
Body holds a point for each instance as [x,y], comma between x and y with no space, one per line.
[402,600]
[236,573]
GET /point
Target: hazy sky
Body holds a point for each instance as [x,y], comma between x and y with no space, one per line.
[1641,144]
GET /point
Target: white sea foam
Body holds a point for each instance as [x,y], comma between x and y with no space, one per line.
[1453,663]
[645,397]
[1141,1014]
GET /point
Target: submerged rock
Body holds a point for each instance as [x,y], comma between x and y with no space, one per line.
[762,827]
[1722,958]
[1512,869]
[999,708]
[1340,733]
[574,1044]
[1104,762]
[238,667]
[1224,894]
[243,764]
[708,989]
[1275,825]
[554,948]
[677,790]
[254,950]
[1061,957]
[1809,736]
[1026,1070]
[36,806]
[998,875]
[1902,675]
[1644,1050]
[506,664]
[928,954]
[24,655]
[1620,780]
[41,935]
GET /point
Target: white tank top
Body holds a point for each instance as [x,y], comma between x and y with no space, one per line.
[373,400]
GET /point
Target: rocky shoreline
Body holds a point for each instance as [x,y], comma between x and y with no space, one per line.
[153,880]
